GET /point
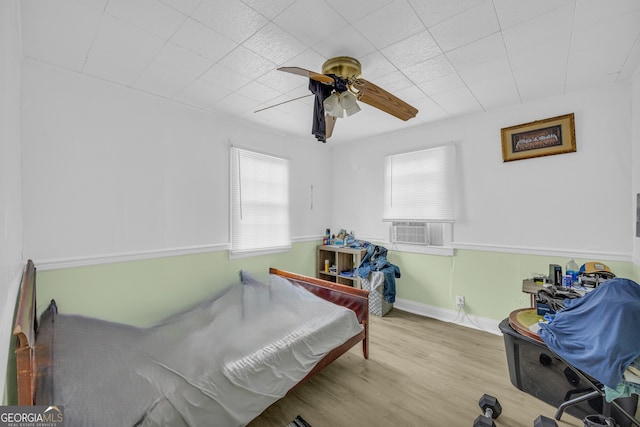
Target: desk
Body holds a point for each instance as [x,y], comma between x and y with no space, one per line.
[521,321]
[536,370]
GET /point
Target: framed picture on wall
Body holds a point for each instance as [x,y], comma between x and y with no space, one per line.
[555,135]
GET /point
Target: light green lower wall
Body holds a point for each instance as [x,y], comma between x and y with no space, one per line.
[491,282]
[142,292]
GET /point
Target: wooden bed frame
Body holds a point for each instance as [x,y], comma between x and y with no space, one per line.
[34,360]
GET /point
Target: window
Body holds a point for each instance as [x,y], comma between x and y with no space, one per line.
[259,202]
[419,196]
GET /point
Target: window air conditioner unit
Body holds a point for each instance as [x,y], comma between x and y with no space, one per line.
[413,233]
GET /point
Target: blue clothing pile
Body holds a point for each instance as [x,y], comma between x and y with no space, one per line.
[599,333]
[376,260]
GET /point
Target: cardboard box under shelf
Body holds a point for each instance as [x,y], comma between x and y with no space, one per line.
[374,283]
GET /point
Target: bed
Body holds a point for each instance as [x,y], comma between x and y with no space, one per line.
[219,363]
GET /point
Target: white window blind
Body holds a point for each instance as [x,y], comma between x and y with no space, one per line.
[259,202]
[420,185]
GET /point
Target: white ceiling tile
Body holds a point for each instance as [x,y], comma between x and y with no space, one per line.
[286,104]
[335,45]
[353,10]
[300,108]
[375,66]
[429,70]
[429,111]
[272,117]
[458,102]
[412,50]
[281,81]
[390,24]
[182,61]
[552,46]
[258,92]
[477,22]
[592,12]
[393,82]
[274,43]
[477,52]
[60,32]
[232,18]
[485,70]
[432,12]
[283,122]
[184,6]
[120,51]
[556,26]
[202,93]
[235,104]
[584,69]
[226,77]
[202,40]
[609,41]
[512,13]
[270,9]
[550,54]
[631,64]
[496,92]
[309,22]
[309,59]
[248,63]
[440,85]
[160,80]
[410,94]
[539,82]
[151,15]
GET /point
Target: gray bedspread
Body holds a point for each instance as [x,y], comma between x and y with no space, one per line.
[219,364]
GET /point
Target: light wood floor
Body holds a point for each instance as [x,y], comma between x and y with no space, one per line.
[420,372]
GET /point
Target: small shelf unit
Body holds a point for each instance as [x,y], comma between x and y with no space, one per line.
[344,258]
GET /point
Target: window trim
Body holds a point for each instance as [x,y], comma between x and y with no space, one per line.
[246,253]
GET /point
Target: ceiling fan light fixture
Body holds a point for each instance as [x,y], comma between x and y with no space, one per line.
[332,105]
[348,102]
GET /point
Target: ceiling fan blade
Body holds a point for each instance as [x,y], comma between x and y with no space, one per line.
[306,73]
[379,98]
[330,122]
[283,102]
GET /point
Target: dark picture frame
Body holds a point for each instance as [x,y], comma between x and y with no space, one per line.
[555,135]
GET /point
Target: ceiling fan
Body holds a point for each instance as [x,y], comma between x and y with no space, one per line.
[337,89]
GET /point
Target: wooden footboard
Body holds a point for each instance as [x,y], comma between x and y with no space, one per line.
[25,332]
[352,298]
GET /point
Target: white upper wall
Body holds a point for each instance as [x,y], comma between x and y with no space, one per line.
[112,171]
[576,202]
[10,186]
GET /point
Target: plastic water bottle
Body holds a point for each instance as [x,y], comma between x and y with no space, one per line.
[572,269]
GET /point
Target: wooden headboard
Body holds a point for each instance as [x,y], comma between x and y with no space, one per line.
[25,332]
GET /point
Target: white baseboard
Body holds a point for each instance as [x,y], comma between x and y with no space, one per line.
[450,316]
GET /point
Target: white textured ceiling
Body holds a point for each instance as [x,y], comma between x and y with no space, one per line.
[444,57]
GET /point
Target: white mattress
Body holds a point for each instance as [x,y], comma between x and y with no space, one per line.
[221,363]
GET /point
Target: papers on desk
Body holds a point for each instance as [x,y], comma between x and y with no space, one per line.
[535,328]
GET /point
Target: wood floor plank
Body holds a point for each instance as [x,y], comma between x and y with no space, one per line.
[421,372]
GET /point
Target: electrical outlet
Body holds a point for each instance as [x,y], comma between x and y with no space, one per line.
[459,301]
